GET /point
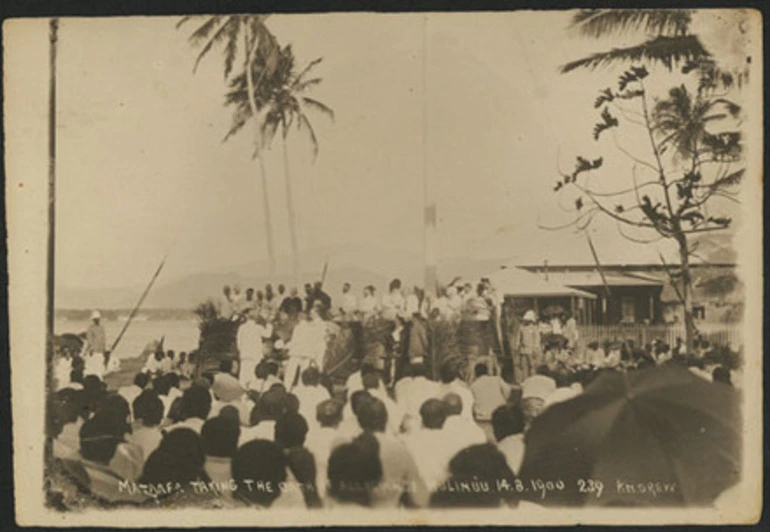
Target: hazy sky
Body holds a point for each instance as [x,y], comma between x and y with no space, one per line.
[142,171]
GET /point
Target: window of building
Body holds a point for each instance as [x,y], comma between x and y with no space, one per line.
[699,312]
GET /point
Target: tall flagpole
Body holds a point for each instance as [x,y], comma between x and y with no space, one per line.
[50,271]
[429,204]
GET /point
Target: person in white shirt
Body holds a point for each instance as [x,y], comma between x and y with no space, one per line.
[195,405]
[307,346]
[452,383]
[419,390]
[460,432]
[270,406]
[220,443]
[349,427]
[400,476]
[265,375]
[348,303]
[430,446]
[372,381]
[310,394]
[369,306]
[320,437]
[393,303]
[148,413]
[508,427]
[68,404]
[403,384]
[154,363]
[251,336]
[129,393]
[227,390]
[355,382]
[489,392]
[454,301]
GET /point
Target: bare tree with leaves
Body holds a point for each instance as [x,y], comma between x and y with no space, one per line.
[692,161]
[248,37]
[286,108]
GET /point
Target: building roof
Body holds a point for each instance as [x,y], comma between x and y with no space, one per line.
[593,278]
[519,282]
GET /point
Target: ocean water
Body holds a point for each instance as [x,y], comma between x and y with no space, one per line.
[180,335]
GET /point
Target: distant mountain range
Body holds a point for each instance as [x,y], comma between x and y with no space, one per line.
[381,266]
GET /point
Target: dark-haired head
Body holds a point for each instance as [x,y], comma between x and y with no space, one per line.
[448,371]
[358,398]
[141,379]
[178,458]
[290,430]
[454,404]
[433,413]
[220,436]
[259,461]
[311,376]
[372,415]
[722,374]
[483,465]
[195,402]
[354,470]
[162,384]
[329,413]
[480,369]
[148,408]
[507,420]
[226,365]
[419,370]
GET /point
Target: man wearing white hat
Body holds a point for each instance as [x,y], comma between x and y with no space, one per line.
[527,356]
[96,345]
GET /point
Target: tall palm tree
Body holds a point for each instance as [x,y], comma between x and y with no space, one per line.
[289,107]
[668,41]
[247,35]
[50,270]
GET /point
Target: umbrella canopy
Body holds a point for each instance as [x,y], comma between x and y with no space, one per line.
[652,437]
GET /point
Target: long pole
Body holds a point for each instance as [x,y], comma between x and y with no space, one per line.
[429,204]
[50,271]
[138,304]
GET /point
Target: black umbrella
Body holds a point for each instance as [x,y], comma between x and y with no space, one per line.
[654,437]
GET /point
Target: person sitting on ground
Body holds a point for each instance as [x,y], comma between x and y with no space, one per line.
[402,385]
[489,392]
[68,405]
[508,426]
[220,442]
[372,382]
[266,373]
[154,363]
[461,432]
[534,392]
[178,463]
[401,483]
[310,394]
[355,381]
[429,445]
[349,427]
[419,390]
[195,405]
[594,355]
[259,462]
[77,374]
[129,393]
[227,390]
[128,458]
[353,472]
[186,366]
[721,374]
[290,433]
[320,438]
[481,466]
[271,406]
[148,413]
[452,383]
[100,438]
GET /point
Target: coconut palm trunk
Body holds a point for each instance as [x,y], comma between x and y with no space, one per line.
[251,50]
[292,215]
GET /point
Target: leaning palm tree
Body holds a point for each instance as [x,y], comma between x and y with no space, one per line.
[248,36]
[288,107]
[668,41]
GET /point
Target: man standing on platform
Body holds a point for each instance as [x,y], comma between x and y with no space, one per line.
[96,346]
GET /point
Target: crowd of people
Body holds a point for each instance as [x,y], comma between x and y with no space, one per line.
[275,443]
[270,429]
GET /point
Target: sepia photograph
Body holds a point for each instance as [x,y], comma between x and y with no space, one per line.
[386,268]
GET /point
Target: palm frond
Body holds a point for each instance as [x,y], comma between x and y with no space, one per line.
[232,30]
[307,69]
[666,50]
[204,30]
[598,23]
[302,119]
[217,36]
[183,20]
[318,106]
